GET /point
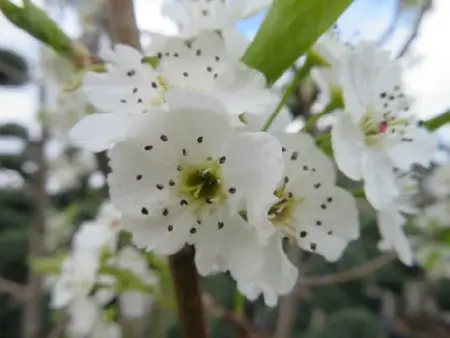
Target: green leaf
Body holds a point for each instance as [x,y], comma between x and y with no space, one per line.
[36,22]
[438,121]
[290,28]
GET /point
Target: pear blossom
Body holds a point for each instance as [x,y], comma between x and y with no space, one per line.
[131,86]
[376,132]
[188,171]
[135,304]
[77,278]
[307,208]
[100,233]
[194,16]
[84,314]
[391,219]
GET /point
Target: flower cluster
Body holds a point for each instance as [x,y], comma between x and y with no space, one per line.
[186,168]
[89,277]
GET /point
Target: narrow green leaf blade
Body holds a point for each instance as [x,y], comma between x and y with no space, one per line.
[290,28]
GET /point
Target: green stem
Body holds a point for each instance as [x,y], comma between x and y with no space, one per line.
[239,303]
[438,121]
[301,73]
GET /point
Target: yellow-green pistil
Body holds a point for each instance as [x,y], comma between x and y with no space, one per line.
[202,185]
[281,214]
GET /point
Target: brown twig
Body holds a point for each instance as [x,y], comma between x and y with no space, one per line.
[32,321]
[188,296]
[122,21]
[416,27]
[13,289]
[288,309]
[229,317]
[348,275]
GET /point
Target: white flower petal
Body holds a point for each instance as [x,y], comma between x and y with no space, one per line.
[418,146]
[255,165]
[277,275]
[243,89]
[98,132]
[186,100]
[305,161]
[390,223]
[236,42]
[163,235]
[128,85]
[84,313]
[379,180]
[347,143]
[319,241]
[331,209]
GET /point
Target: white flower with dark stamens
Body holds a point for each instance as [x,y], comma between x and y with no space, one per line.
[204,66]
[309,207]
[194,16]
[188,170]
[376,132]
[391,220]
[131,86]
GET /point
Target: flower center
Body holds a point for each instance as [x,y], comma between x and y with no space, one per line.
[281,214]
[202,185]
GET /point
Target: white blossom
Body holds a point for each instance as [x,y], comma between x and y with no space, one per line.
[135,304]
[77,278]
[186,172]
[131,86]
[376,132]
[391,219]
[307,208]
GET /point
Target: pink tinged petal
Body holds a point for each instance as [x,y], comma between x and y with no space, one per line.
[347,142]
[390,224]
[417,146]
[98,132]
[329,209]
[305,161]
[379,180]
[254,166]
